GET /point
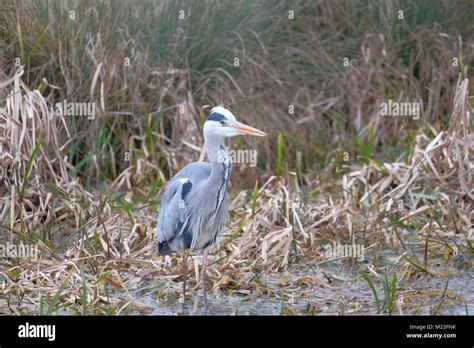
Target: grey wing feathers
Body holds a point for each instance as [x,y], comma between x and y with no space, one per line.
[195,172]
[174,208]
[172,211]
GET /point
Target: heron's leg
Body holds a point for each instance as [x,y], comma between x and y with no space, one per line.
[204,265]
[185,271]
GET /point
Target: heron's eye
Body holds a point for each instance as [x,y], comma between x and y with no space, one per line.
[222,123]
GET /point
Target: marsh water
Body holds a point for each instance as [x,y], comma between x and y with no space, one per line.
[336,289]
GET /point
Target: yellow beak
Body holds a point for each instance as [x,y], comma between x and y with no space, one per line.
[248,130]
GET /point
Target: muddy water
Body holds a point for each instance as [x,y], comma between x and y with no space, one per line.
[340,291]
[335,288]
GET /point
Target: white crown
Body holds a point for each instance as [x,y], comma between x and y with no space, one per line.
[223,111]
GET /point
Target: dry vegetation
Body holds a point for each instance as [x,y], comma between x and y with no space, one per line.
[406,192]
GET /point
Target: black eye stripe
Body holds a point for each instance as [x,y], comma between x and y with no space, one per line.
[216,117]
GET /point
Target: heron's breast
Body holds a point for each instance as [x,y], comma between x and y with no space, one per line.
[212,226]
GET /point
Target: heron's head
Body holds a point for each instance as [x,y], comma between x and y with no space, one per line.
[222,123]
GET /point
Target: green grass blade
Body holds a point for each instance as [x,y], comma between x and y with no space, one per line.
[279,160]
[84,292]
[372,288]
[41,305]
[386,291]
[52,305]
[28,168]
[416,265]
[282,303]
[393,290]
[38,41]
[102,277]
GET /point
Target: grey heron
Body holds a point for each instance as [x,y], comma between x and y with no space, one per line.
[195,203]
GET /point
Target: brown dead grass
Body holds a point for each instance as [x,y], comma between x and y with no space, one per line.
[77,228]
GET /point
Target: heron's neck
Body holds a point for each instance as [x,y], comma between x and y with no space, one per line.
[220,162]
[213,149]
